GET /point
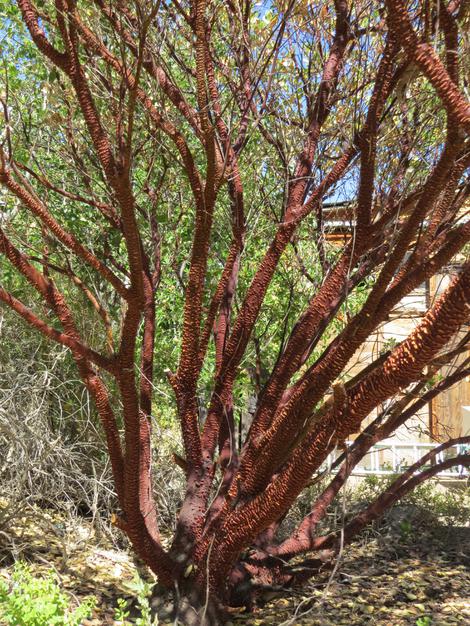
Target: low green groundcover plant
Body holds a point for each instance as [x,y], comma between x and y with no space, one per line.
[27,600]
[142,590]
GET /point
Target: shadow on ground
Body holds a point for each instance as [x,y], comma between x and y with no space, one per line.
[392,578]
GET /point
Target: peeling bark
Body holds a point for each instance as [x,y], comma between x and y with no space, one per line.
[401,231]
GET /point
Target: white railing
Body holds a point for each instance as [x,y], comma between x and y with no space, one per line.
[396,457]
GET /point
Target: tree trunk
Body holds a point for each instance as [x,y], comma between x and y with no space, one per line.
[192,611]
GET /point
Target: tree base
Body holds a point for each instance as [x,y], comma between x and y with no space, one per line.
[188,609]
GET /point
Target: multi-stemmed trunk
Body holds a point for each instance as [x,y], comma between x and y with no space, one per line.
[398,229]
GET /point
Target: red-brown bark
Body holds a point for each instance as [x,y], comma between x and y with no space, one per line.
[399,229]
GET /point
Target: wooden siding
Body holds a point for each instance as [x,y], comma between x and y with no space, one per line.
[450,411]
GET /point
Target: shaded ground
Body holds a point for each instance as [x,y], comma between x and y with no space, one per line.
[420,578]
[377,582]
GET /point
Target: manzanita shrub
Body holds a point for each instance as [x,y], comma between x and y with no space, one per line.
[242,194]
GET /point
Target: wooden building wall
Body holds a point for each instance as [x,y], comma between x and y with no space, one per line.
[450,411]
[449,414]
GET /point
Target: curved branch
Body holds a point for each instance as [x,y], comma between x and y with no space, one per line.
[57,336]
[40,210]
[428,61]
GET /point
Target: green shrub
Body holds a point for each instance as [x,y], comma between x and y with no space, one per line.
[449,506]
[143,591]
[33,601]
